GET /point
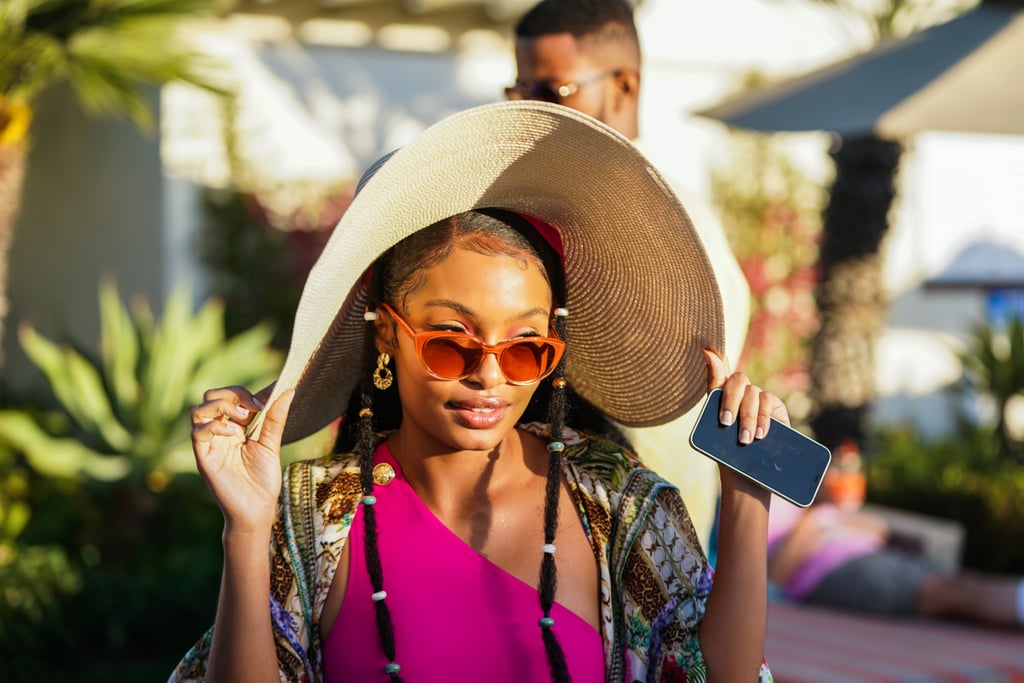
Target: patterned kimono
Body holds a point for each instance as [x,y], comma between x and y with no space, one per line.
[654,578]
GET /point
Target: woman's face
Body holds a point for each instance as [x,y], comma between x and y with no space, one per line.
[495,298]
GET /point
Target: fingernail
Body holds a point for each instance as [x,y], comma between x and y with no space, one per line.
[259,403]
[745,436]
[726,417]
[242,410]
[759,434]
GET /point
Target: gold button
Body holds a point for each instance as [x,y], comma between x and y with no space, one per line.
[383,474]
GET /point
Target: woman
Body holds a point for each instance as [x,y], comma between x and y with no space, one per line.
[479,324]
[835,553]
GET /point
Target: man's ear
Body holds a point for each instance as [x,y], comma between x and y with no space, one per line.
[627,83]
[625,101]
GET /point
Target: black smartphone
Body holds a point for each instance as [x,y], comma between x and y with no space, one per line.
[785,461]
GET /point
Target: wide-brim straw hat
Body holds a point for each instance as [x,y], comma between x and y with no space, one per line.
[642,297]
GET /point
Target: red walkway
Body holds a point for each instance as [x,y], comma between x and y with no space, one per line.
[808,645]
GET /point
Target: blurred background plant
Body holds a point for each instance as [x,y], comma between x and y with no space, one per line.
[34,578]
[109,540]
[771,212]
[257,257]
[112,52]
[962,478]
[850,297]
[109,535]
[124,416]
[974,476]
[993,363]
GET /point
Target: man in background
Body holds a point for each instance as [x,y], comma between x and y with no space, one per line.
[585,54]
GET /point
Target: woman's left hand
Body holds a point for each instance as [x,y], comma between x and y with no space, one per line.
[744,402]
[732,632]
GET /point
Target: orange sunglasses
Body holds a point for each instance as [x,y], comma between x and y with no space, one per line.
[456,355]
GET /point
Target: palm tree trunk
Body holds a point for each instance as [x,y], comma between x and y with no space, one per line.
[850,295]
[12,173]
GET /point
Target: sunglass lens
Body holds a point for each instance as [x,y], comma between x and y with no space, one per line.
[533,90]
[451,357]
[544,92]
[527,360]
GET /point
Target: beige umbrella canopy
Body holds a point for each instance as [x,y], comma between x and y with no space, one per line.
[964,75]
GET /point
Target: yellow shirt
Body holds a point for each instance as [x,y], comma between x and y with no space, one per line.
[666,448]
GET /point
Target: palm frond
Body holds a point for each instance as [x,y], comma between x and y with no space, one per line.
[111,68]
[28,65]
[64,18]
[111,51]
[12,20]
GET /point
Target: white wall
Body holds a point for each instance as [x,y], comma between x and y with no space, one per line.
[92,206]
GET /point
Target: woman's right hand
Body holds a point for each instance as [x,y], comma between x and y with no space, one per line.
[243,474]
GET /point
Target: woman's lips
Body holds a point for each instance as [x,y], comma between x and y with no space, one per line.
[481,413]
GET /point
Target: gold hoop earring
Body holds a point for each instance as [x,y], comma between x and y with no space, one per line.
[382,377]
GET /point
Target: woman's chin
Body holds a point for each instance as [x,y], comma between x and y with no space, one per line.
[478,440]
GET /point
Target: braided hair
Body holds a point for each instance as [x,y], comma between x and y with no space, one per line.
[395,275]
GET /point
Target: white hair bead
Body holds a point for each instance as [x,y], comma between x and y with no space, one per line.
[562,312]
[369,316]
[379,595]
[549,548]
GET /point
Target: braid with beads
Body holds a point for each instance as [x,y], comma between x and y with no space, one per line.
[365,447]
[548,574]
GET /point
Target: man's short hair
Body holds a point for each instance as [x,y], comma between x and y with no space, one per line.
[597,20]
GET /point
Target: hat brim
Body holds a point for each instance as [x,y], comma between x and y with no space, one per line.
[642,295]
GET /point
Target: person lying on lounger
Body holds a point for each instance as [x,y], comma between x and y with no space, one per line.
[836,554]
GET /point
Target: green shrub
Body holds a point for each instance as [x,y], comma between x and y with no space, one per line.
[771,212]
[243,235]
[125,415]
[963,478]
[993,362]
[109,539]
[976,476]
[33,580]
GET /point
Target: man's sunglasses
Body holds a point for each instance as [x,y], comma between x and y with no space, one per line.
[546,91]
[456,355]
